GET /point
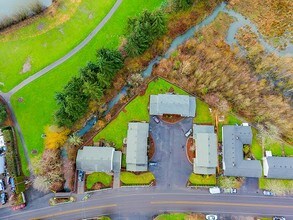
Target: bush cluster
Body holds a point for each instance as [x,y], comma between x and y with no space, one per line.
[91,84]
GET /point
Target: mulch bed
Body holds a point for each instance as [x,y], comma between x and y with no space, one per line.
[151,151]
[190,152]
[171,118]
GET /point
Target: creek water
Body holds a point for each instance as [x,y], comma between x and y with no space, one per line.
[9,8]
[240,21]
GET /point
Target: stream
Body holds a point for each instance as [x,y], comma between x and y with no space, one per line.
[240,21]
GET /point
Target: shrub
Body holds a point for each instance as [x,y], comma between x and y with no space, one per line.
[3,113]
[98,177]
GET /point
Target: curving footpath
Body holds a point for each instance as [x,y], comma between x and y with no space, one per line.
[143,203]
[7,96]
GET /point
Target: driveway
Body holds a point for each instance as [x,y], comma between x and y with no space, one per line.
[173,168]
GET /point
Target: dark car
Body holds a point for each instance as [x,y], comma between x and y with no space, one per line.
[156,119]
[2,185]
[279,218]
[3,198]
[153,164]
[80,175]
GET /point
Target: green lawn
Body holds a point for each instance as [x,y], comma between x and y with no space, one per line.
[38,107]
[172,216]
[230,119]
[202,180]
[24,164]
[276,147]
[128,178]
[203,115]
[256,147]
[136,110]
[278,186]
[229,182]
[98,177]
[59,34]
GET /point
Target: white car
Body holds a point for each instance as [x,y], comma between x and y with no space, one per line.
[214,190]
[188,133]
[211,217]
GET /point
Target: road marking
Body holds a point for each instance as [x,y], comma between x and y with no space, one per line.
[76,210]
[222,203]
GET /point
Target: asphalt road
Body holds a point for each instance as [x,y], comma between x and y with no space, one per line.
[143,203]
[173,169]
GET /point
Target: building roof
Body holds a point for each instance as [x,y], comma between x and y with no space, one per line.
[95,159]
[136,151]
[234,137]
[279,167]
[2,164]
[206,159]
[183,105]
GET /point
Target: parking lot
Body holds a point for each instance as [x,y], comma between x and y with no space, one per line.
[172,169]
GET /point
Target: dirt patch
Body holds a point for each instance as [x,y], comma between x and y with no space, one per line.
[27,65]
[190,149]
[171,118]
[41,26]
[69,174]
[151,150]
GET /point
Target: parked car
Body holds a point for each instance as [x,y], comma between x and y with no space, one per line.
[12,184]
[3,198]
[233,190]
[211,217]
[268,193]
[230,190]
[80,175]
[2,150]
[153,163]
[214,190]
[2,185]
[279,218]
[156,119]
[188,133]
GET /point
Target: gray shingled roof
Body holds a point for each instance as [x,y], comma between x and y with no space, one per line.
[280,167]
[136,151]
[183,105]
[95,159]
[206,159]
[234,137]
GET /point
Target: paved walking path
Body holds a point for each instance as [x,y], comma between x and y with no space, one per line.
[7,96]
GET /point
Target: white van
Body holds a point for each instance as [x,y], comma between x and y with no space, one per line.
[215,190]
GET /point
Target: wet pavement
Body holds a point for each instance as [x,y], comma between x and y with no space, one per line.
[173,169]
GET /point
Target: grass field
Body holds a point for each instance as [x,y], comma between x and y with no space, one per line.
[136,110]
[202,180]
[278,186]
[98,177]
[24,164]
[203,115]
[128,178]
[229,182]
[48,38]
[230,119]
[172,216]
[38,107]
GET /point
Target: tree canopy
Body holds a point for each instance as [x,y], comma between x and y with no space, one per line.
[90,84]
[3,113]
[143,30]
